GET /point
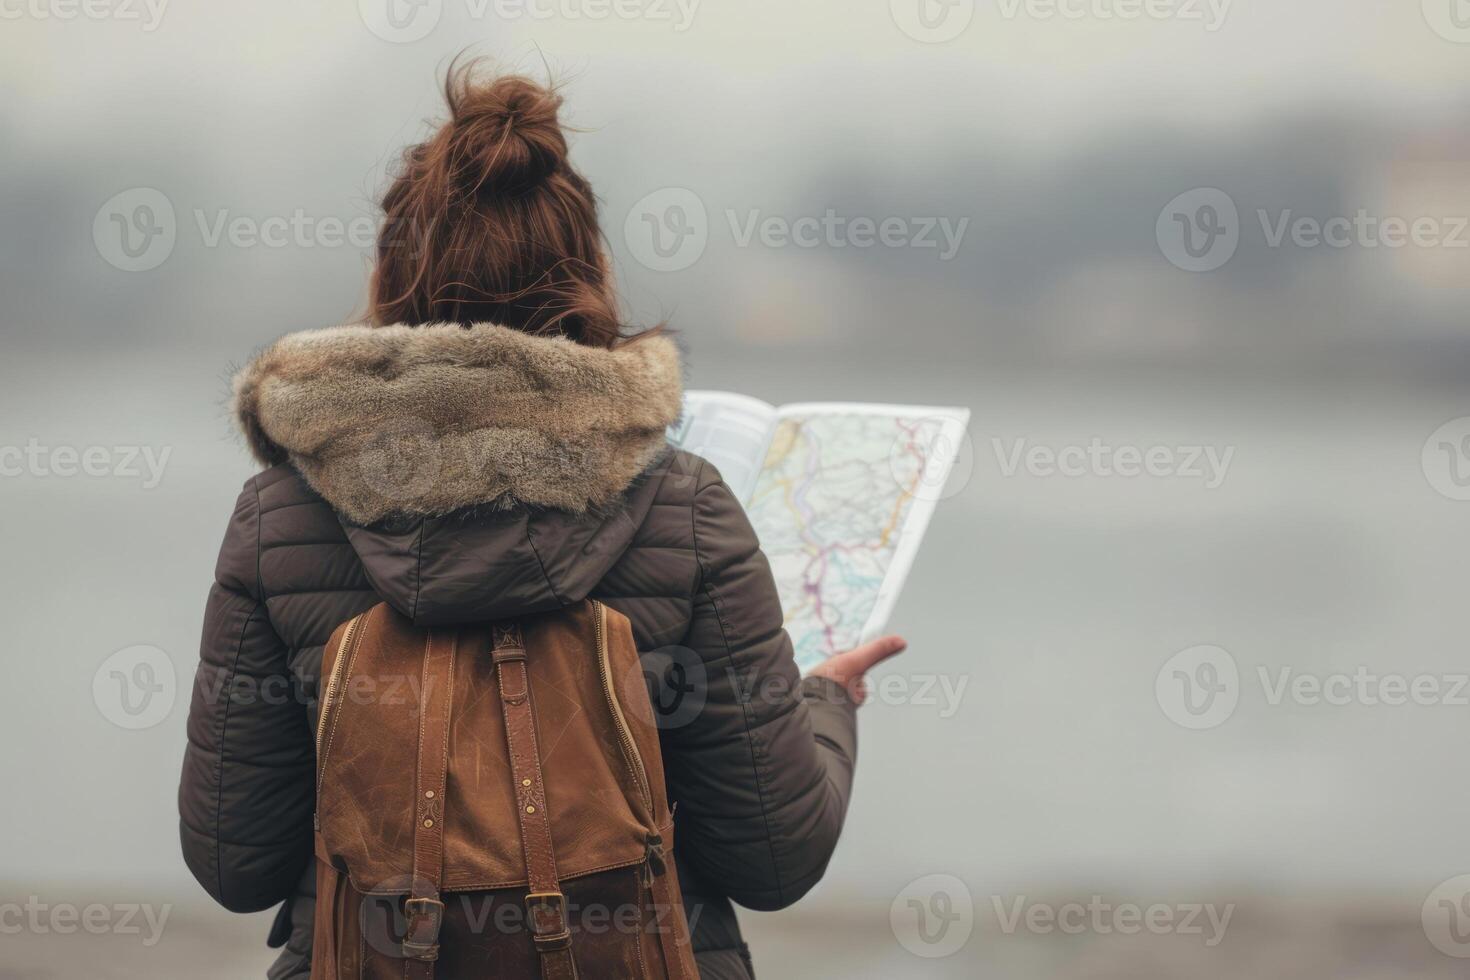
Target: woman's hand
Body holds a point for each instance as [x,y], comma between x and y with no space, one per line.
[850,669]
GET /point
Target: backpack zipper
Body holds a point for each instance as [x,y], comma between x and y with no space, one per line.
[333,683]
[625,735]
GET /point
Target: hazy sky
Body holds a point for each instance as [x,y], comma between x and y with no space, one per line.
[1061,140]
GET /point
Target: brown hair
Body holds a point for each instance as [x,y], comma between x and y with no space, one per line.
[487,221]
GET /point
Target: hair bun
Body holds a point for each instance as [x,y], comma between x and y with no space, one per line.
[504,137]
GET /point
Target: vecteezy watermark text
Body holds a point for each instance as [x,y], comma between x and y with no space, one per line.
[669,229]
[34,459]
[1208,464]
[148,13]
[937,21]
[1201,230]
[933,917]
[833,230]
[39,917]
[137,229]
[1102,917]
[1210,13]
[407,21]
[1200,687]
[678,683]
[298,229]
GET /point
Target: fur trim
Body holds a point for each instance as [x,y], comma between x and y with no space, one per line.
[388,421]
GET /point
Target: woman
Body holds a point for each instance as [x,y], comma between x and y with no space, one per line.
[490,446]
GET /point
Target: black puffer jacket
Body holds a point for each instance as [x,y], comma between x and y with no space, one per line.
[469,475]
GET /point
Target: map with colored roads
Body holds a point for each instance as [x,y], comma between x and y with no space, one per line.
[831,505]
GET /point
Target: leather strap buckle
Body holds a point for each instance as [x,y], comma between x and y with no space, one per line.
[506,641]
[546,912]
[421,940]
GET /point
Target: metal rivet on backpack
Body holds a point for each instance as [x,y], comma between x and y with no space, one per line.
[525,782]
[530,809]
[428,823]
[428,794]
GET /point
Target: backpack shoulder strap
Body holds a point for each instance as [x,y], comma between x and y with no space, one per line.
[546,907]
[424,907]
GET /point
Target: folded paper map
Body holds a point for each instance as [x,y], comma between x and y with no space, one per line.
[839,494]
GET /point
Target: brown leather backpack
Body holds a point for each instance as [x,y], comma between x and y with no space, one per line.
[490,802]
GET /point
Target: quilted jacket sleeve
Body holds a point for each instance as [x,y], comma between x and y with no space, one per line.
[763,774]
[246,794]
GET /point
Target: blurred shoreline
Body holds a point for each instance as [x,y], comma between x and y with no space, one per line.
[1276,937]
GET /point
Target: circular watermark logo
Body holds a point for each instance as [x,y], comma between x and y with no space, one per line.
[1199,230]
[933,459]
[667,230]
[403,461]
[933,916]
[1445,459]
[932,21]
[1446,916]
[383,916]
[1199,687]
[135,230]
[135,687]
[401,21]
[677,683]
[1450,19]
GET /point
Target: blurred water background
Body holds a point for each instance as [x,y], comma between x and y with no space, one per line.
[1061,772]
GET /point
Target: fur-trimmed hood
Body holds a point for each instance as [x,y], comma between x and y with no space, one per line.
[422,421]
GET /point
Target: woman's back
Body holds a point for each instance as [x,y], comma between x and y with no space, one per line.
[758,762]
[492,445]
